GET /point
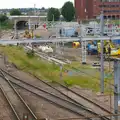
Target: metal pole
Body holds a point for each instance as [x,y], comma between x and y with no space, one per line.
[116,83]
[29,25]
[83,45]
[0,30]
[15,34]
[61,68]
[102,56]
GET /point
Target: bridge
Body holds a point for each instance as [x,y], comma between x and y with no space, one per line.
[23,21]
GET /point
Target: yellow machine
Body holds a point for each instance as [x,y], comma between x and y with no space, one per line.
[28,34]
[107,44]
[76,44]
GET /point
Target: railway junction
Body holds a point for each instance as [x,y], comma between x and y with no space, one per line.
[38,75]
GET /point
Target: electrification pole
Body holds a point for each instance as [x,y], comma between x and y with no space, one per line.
[116,86]
[102,55]
[15,29]
[29,24]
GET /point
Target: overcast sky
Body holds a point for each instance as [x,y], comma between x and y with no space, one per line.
[30,3]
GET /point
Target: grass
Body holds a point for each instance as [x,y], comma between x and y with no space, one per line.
[49,71]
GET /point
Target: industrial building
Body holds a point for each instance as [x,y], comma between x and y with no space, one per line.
[89,9]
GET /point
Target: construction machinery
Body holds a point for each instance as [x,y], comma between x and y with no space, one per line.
[28,34]
[109,48]
[92,48]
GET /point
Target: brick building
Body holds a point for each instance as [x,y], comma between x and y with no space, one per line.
[88,9]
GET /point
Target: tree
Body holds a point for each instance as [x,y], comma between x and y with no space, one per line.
[53,14]
[3,18]
[68,11]
[15,12]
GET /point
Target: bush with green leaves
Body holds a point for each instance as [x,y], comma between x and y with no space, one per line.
[3,18]
[30,53]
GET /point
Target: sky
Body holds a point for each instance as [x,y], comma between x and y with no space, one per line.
[30,3]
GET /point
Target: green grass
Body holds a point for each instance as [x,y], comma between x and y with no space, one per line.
[51,72]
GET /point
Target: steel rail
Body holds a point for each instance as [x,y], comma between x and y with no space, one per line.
[77,103]
[51,101]
[73,92]
[11,106]
[22,100]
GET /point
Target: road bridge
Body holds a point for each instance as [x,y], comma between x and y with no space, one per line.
[23,21]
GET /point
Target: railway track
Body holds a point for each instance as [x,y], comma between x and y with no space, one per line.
[81,95]
[105,108]
[14,99]
[71,105]
[5,108]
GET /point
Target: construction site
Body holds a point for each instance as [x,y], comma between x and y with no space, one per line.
[60,71]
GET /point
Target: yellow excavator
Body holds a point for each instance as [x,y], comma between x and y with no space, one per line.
[28,34]
[109,48]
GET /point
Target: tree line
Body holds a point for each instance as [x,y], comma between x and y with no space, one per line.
[67,11]
[53,14]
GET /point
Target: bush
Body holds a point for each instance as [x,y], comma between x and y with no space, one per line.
[3,18]
[30,53]
[15,12]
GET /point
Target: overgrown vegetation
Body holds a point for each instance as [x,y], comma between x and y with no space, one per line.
[53,14]
[4,22]
[15,12]
[31,53]
[3,18]
[6,25]
[84,76]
